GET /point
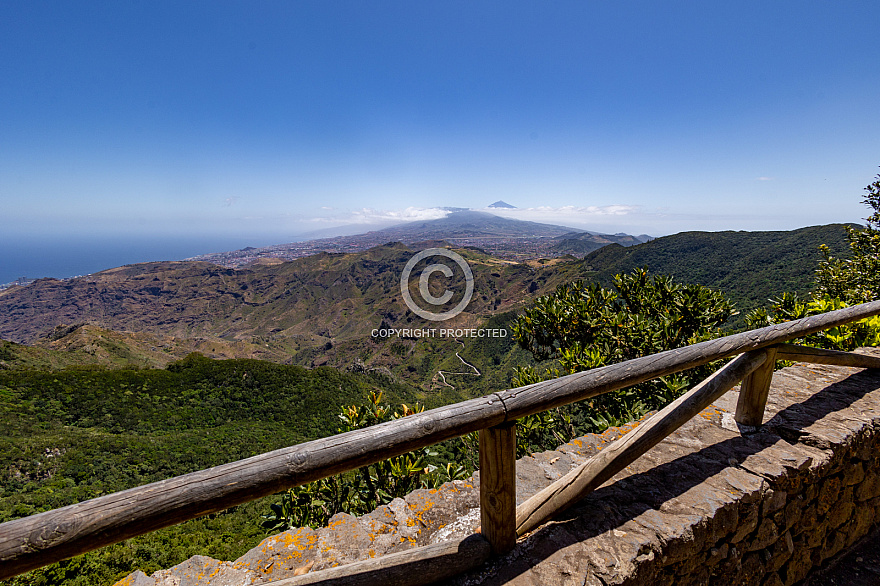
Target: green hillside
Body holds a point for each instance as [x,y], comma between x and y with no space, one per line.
[74,434]
[748,267]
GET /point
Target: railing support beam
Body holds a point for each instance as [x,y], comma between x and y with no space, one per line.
[498,486]
[566,491]
[753,392]
[797,353]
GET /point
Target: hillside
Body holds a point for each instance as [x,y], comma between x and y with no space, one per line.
[320,310]
[582,243]
[70,435]
[502,237]
[322,298]
[749,267]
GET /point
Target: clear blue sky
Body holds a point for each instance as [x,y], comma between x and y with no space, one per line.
[256,122]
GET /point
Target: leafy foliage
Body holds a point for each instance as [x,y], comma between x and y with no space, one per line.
[790,307]
[360,492]
[857,279]
[583,326]
[839,283]
[74,434]
[748,267]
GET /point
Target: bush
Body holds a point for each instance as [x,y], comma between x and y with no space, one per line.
[583,326]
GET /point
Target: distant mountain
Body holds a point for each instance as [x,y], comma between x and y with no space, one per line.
[581,243]
[502,237]
[501,205]
[320,310]
[469,224]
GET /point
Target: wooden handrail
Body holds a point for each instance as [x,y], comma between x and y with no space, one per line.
[42,539]
[545,395]
[594,472]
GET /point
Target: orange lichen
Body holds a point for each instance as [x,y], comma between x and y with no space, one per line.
[127,581]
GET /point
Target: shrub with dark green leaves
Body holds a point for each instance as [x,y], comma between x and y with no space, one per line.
[583,326]
[839,283]
[856,279]
[361,491]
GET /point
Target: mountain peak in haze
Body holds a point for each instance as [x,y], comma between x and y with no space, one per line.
[501,204]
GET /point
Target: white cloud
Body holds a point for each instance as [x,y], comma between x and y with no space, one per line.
[570,214]
[374,216]
[765,178]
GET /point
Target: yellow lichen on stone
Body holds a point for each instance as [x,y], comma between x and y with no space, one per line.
[127,581]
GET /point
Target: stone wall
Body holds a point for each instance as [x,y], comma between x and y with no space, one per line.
[710,504]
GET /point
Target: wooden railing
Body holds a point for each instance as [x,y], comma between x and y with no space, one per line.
[42,539]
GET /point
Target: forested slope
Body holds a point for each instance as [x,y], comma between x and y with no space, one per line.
[74,434]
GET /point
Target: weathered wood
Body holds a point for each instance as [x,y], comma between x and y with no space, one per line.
[594,472]
[48,537]
[422,565]
[498,486]
[753,392]
[545,395]
[798,353]
[41,539]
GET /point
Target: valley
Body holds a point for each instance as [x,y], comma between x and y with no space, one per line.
[147,371]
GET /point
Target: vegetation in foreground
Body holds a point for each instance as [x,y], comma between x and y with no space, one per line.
[78,433]
[74,434]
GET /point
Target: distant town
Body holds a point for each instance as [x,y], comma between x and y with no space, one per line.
[503,238]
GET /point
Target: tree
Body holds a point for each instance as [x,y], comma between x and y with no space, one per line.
[839,283]
[857,279]
[582,326]
[368,487]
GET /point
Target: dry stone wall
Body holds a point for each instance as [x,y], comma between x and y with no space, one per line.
[711,504]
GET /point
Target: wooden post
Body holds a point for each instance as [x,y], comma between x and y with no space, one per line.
[753,392]
[572,487]
[498,486]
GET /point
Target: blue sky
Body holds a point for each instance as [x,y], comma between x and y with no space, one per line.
[255,123]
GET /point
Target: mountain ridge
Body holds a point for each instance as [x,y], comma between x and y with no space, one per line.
[503,237]
[322,308]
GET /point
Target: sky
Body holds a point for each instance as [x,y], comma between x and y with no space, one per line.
[153,130]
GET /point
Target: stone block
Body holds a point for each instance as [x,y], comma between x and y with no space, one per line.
[279,555]
[860,523]
[699,577]
[765,536]
[201,569]
[854,473]
[834,544]
[789,516]
[752,569]
[678,540]
[781,552]
[808,520]
[869,488]
[841,510]
[828,494]
[748,522]
[816,536]
[717,554]
[797,567]
[773,501]
[137,578]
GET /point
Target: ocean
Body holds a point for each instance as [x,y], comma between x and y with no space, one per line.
[35,257]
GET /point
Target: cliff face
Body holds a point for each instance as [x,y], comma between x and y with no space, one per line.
[707,505]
